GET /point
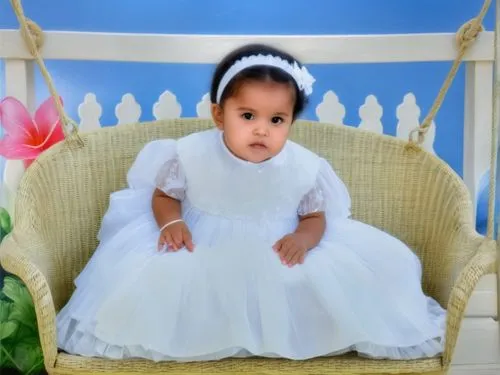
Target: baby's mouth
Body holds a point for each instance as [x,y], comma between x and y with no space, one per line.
[258,146]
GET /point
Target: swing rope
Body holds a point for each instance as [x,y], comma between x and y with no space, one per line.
[33,39]
[466,35]
[465,38]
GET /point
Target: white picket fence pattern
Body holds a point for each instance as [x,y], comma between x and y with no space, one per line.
[330,110]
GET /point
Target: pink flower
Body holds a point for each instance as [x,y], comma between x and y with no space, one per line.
[25,138]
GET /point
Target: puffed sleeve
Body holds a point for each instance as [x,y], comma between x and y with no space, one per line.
[149,161]
[313,201]
[329,194]
[171,179]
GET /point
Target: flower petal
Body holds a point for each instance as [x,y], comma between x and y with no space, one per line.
[46,117]
[28,162]
[56,136]
[16,120]
[11,148]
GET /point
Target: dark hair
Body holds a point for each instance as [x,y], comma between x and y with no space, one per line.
[256,73]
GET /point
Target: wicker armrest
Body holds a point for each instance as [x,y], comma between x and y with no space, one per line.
[482,263]
[16,260]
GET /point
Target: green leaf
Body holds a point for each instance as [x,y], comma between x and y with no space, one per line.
[23,332]
[7,329]
[3,358]
[28,356]
[5,307]
[5,222]
[6,333]
[6,358]
[13,288]
[19,345]
[23,309]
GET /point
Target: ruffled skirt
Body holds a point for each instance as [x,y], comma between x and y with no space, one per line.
[358,290]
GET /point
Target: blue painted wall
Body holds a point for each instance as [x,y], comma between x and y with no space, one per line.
[189,82]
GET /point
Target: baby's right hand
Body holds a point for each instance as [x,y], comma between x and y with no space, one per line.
[175,237]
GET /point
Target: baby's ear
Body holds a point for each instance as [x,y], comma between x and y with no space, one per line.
[218,115]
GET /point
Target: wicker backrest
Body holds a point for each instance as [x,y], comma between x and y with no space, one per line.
[412,195]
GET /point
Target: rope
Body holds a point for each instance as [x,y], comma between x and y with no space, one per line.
[465,37]
[33,38]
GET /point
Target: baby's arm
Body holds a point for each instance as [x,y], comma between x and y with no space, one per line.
[165,208]
[292,249]
[311,227]
[168,214]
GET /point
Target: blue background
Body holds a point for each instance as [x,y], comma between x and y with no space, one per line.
[352,83]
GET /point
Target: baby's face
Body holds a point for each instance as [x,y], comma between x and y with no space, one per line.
[256,121]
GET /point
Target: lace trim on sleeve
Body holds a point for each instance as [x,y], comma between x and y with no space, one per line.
[312,202]
[171,179]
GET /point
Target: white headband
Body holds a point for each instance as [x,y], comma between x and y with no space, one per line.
[301,76]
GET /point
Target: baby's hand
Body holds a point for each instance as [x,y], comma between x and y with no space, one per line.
[292,249]
[175,237]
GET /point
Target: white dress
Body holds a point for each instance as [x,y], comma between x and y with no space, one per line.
[358,290]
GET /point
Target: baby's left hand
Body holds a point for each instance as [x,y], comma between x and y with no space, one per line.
[292,249]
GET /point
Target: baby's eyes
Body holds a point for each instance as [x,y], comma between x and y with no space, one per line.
[277,120]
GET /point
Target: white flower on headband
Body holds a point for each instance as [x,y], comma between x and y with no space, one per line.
[300,75]
[303,78]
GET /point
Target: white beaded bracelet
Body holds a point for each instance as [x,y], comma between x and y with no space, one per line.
[170,223]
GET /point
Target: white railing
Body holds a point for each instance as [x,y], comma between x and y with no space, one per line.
[330,110]
[179,48]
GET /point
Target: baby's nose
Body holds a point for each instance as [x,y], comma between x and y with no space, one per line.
[261,129]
